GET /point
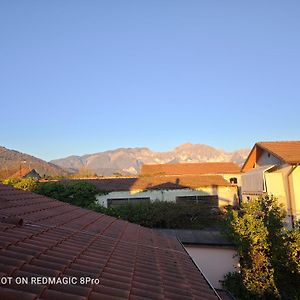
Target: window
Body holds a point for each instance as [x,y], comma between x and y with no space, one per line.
[121,201]
[233,180]
[209,200]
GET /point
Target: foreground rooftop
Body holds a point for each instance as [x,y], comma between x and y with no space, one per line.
[40,236]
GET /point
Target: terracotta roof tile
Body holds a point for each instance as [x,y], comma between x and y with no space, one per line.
[11,294]
[58,239]
[191,168]
[287,151]
[50,294]
[169,182]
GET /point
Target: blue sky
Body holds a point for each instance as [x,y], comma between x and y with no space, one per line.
[80,77]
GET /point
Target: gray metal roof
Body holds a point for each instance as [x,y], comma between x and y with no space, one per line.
[198,237]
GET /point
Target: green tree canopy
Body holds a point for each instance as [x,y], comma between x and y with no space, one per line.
[269,253]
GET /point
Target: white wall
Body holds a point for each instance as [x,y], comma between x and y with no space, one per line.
[226,194]
[267,158]
[214,261]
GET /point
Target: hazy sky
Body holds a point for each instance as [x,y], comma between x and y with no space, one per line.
[79,77]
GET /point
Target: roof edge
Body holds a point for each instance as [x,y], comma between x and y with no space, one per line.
[259,144]
[248,157]
[199,269]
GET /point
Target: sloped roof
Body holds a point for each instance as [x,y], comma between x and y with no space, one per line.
[158,182]
[288,151]
[198,237]
[191,168]
[58,239]
[24,170]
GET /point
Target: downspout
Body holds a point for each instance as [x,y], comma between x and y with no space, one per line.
[290,193]
[162,195]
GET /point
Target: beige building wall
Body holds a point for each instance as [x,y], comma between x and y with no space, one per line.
[285,186]
[215,262]
[228,176]
[276,186]
[295,188]
[227,194]
[283,183]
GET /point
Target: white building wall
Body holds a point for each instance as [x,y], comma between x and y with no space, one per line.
[267,158]
[227,195]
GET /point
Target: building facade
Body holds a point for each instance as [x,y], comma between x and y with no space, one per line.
[214,190]
[272,168]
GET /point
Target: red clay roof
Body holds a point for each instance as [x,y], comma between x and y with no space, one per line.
[288,151]
[158,182]
[58,239]
[191,168]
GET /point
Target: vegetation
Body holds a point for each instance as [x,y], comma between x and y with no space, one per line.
[155,214]
[161,214]
[82,193]
[27,184]
[269,253]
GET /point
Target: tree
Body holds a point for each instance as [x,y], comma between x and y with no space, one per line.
[269,253]
[80,193]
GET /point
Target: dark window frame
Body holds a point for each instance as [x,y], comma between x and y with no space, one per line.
[126,200]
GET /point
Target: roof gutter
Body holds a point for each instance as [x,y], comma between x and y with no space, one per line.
[196,265]
[290,193]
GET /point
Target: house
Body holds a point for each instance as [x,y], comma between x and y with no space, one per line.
[26,172]
[53,250]
[213,189]
[272,168]
[228,170]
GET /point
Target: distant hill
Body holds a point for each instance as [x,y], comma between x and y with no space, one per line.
[11,160]
[127,161]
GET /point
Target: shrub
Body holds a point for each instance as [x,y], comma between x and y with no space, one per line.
[27,184]
[156,214]
[269,253]
[161,214]
[81,193]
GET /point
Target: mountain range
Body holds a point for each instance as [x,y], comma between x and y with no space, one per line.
[127,161]
[11,161]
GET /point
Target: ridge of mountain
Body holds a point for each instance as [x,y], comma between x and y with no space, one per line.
[12,160]
[127,161]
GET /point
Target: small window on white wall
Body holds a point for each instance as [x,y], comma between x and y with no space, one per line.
[233,180]
[120,201]
[209,200]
